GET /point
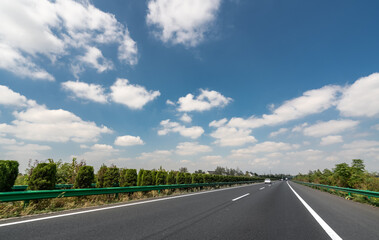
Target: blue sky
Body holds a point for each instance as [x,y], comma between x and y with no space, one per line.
[280,86]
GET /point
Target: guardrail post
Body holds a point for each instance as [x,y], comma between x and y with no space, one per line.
[26,203]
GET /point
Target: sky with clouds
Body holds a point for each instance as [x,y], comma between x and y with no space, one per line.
[280,86]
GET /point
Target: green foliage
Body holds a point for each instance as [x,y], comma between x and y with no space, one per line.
[171,177]
[139,177]
[112,177]
[85,177]
[180,178]
[187,178]
[161,178]
[197,178]
[129,177]
[43,177]
[8,174]
[343,175]
[147,178]
[100,176]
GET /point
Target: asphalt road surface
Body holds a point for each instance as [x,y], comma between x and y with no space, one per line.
[257,211]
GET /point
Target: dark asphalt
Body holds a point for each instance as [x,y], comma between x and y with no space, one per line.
[270,213]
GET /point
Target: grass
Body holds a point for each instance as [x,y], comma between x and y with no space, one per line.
[17,209]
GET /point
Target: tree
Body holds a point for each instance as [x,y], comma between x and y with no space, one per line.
[220,170]
[161,178]
[43,177]
[180,178]
[8,174]
[139,177]
[85,177]
[101,176]
[183,170]
[147,178]
[112,177]
[130,178]
[171,177]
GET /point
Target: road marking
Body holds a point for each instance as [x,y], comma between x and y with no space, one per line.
[332,234]
[118,206]
[247,194]
[262,188]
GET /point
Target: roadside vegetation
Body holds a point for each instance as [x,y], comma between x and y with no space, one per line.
[45,176]
[344,175]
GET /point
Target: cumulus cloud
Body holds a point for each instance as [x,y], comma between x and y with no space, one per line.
[128,140]
[182,21]
[158,154]
[361,98]
[312,101]
[30,30]
[330,127]
[280,131]
[186,118]
[191,148]
[229,136]
[132,96]
[94,58]
[205,101]
[168,126]
[86,91]
[214,159]
[361,144]
[332,139]
[10,98]
[265,147]
[41,124]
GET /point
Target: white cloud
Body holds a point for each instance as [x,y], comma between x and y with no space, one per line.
[7,141]
[265,147]
[41,124]
[361,98]
[95,59]
[30,30]
[229,136]
[218,123]
[132,96]
[27,147]
[158,154]
[98,154]
[169,102]
[186,118]
[376,127]
[280,131]
[299,128]
[332,139]
[331,127]
[205,101]
[361,144]
[168,126]
[87,91]
[182,21]
[312,101]
[214,159]
[191,148]
[128,140]
[10,98]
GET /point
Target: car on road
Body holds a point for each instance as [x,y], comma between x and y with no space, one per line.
[267,181]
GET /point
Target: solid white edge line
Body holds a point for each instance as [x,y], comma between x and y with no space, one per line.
[247,194]
[332,234]
[117,206]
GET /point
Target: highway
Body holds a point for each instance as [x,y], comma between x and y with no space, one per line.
[257,211]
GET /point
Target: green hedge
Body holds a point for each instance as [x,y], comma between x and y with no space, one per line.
[43,177]
[8,174]
[112,177]
[100,176]
[128,177]
[171,178]
[139,177]
[187,178]
[85,177]
[180,178]
[161,178]
[147,178]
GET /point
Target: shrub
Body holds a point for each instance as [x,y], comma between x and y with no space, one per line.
[129,177]
[100,176]
[187,178]
[180,178]
[147,178]
[8,174]
[197,178]
[112,177]
[161,178]
[85,177]
[139,177]
[171,177]
[43,177]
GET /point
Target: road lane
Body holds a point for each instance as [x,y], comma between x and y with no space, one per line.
[270,213]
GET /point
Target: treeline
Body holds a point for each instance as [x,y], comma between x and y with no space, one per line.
[45,175]
[343,175]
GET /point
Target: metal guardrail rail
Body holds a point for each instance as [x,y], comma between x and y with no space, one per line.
[348,190]
[59,193]
[57,186]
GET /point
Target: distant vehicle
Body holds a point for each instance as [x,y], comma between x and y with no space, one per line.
[267,181]
[286,179]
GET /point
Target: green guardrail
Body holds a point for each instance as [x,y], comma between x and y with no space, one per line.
[348,190]
[57,186]
[59,193]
